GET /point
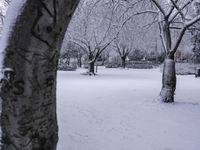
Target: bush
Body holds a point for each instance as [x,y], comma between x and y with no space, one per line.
[141,65]
[155,57]
[112,65]
[115,62]
[184,57]
[65,67]
[136,55]
[186,68]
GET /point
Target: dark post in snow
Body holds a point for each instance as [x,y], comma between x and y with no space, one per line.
[28,88]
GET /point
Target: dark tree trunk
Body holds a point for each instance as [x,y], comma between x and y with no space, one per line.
[123,64]
[92,68]
[79,61]
[197,74]
[168,80]
[91,64]
[28,88]
[68,61]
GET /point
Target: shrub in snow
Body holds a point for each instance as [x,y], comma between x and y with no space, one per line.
[65,67]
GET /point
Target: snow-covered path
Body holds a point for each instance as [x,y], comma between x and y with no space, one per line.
[118,110]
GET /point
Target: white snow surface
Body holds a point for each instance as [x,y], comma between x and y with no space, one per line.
[118,110]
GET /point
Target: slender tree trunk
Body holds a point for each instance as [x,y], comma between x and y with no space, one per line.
[28,88]
[91,64]
[68,61]
[168,80]
[197,74]
[79,61]
[123,59]
[92,68]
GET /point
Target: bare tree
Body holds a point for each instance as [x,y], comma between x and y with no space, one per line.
[196,35]
[28,87]
[123,51]
[99,29]
[1,18]
[70,50]
[172,15]
[3,8]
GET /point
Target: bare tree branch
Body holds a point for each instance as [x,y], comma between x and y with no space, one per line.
[181,8]
[187,25]
[172,9]
[178,9]
[159,7]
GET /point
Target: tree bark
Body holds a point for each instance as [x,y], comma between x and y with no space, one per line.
[28,88]
[197,74]
[91,68]
[123,59]
[79,61]
[168,80]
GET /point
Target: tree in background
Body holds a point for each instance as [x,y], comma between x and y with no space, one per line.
[72,51]
[123,51]
[172,15]
[28,88]
[174,19]
[3,7]
[196,35]
[137,55]
[91,38]
[97,24]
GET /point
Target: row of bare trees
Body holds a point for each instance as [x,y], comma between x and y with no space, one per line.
[99,29]
[174,17]
[170,19]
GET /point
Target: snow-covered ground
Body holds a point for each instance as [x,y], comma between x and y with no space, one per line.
[118,110]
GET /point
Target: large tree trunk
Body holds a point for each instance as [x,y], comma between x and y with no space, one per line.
[168,80]
[28,88]
[91,68]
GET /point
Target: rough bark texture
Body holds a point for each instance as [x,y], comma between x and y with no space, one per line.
[91,68]
[168,81]
[123,59]
[79,61]
[28,89]
[197,74]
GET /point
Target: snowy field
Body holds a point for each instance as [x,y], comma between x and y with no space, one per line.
[118,110]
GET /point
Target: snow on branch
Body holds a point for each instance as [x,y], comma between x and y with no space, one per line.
[159,7]
[172,9]
[180,8]
[193,21]
[185,27]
